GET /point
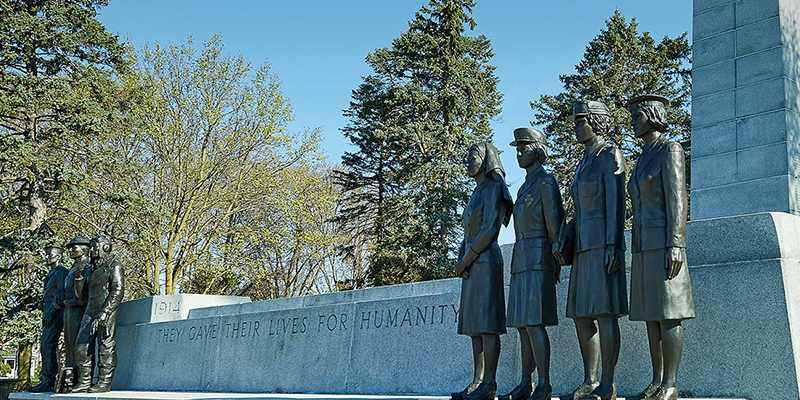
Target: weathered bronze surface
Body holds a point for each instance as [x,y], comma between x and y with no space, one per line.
[52,318]
[538,213]
[597,286]
[74,303]
[480,264]
[103,281]
[661,290]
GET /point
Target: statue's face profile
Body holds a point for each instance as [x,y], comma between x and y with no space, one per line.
[583,131]
[474,161]
[640,122]
[77,250]
[52,255]
[526,155]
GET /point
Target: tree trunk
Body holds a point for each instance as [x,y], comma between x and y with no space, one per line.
[24,366]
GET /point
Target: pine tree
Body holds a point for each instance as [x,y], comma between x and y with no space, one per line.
[435,93]
[618,64]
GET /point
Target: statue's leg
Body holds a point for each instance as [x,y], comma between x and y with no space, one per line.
[478,358]
[491,354]
[83,361]
[528,358]
[491,349]
[541,352]
[590,348]
[523,390]
[609,344]
[672,348]
[654,339]
[106,362]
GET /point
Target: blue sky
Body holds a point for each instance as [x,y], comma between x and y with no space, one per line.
[317,48]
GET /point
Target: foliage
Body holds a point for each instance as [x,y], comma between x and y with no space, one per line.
[430,97]
[618,64]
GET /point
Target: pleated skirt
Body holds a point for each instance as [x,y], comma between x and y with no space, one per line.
[653,296]
[592,292]
[532,299]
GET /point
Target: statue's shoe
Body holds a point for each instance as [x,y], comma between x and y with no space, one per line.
[520,392]
[46,385]
[469,389]
[664,393]
[542,393]
[601,393]
[484,391]
[649,391]
[582,390]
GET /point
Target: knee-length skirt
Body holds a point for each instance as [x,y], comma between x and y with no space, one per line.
[594,293]
[653,296]
[532,299]
[483,308]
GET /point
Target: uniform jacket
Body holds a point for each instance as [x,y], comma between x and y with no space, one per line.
[484,215]
[53,296]
[104,286]
[73,298]
[598,194]
[658,193]
[538,213]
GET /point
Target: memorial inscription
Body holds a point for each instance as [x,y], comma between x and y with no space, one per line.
[393,317]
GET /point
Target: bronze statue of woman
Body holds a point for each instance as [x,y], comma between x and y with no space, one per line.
[538,213]
[661,291]
[480,264]
[597,284]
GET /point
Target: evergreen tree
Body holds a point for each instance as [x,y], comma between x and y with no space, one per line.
[433,94]
[618,64]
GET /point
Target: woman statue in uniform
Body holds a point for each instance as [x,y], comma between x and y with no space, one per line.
[661,291]
[538,213]
[480,264]
[597,286]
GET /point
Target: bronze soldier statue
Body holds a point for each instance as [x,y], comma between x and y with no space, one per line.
[480,264]
[538,213]
[52,320]
[104,281]
[661,291]
[75,303]
[597,285]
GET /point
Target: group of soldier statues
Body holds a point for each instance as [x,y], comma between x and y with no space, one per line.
[82,301]
[592,242]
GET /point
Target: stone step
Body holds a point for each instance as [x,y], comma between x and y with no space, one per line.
[130,395]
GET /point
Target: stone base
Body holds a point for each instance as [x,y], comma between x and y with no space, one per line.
[123,395]
[402,339]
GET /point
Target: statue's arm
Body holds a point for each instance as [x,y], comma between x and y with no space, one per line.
[553,209]
[493,212]
[614,181]
[674,177]
[115,291]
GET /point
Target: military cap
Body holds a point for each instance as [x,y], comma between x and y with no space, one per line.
[527,135]
[79,240]
[585,107]
[648,99]
[53,246]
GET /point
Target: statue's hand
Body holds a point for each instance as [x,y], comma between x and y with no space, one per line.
[557,254]
[46,322]
[558,274]
[612,261]
[674,262]
[94,327]
[461,269]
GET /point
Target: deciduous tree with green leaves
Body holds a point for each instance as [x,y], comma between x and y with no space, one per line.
[618,64]
[430,96]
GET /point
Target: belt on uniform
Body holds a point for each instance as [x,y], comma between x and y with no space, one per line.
[532,235]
